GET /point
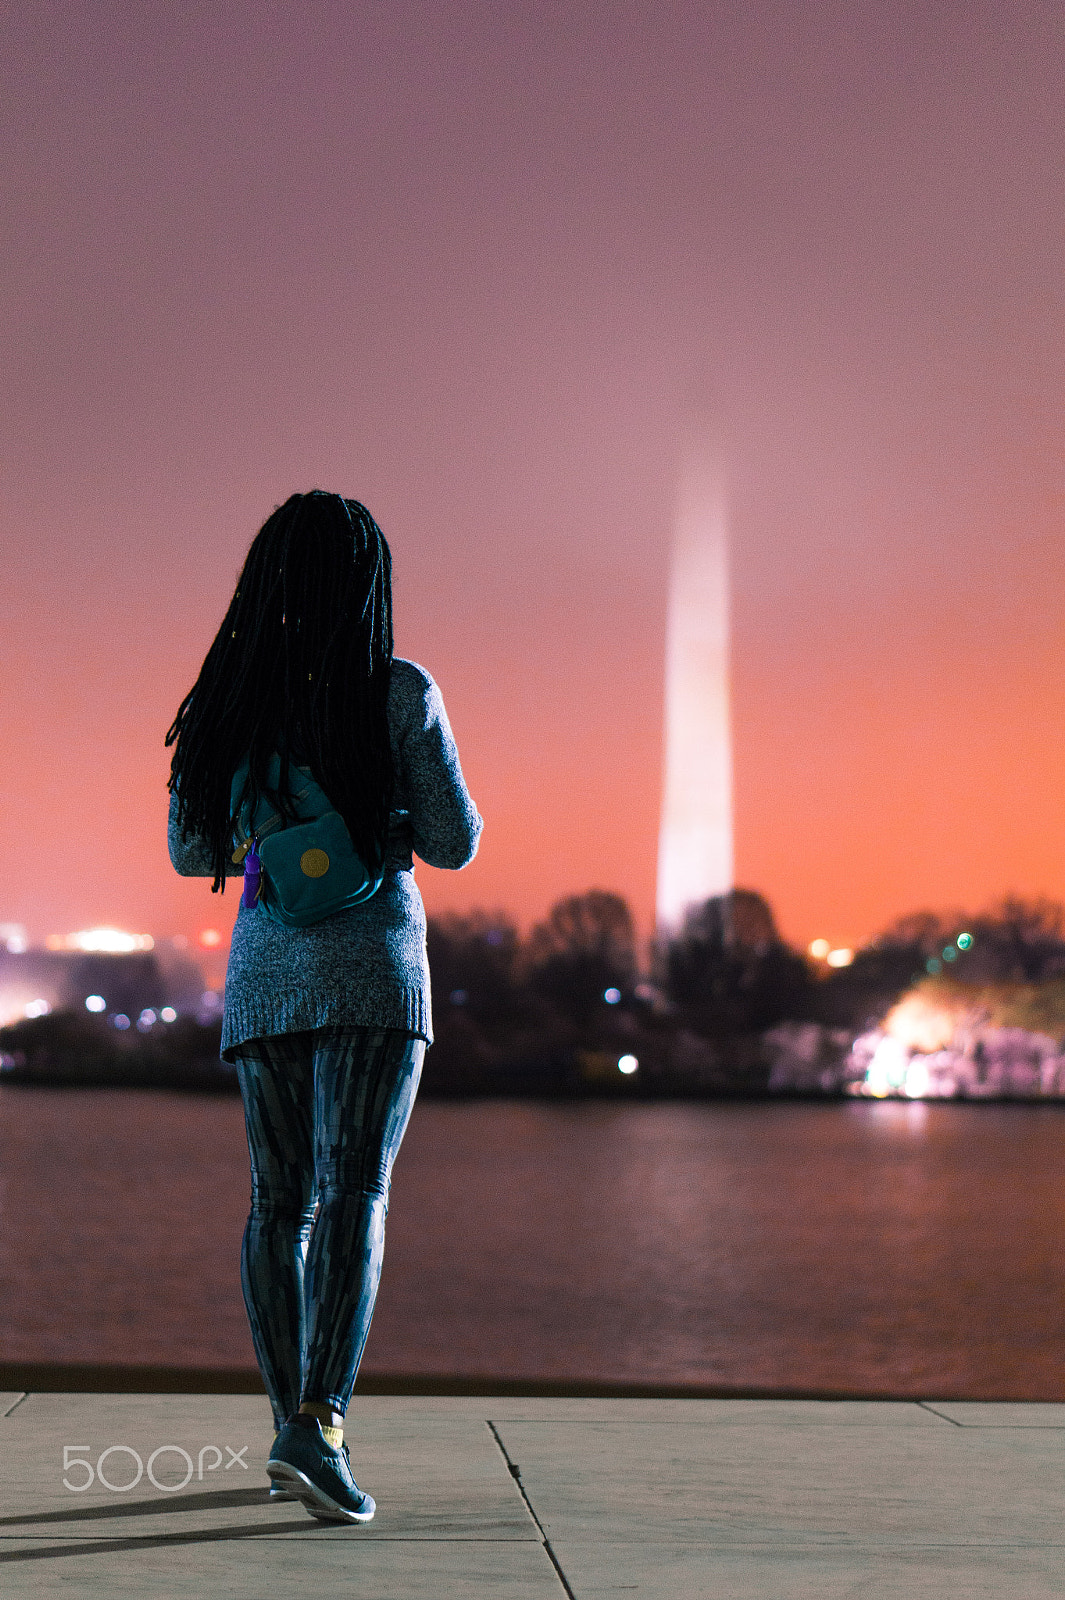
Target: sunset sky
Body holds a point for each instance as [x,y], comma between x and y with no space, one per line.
[481,266]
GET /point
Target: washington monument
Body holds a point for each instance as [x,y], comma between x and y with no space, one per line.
[695,857]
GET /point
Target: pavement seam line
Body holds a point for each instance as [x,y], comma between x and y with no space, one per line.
[515,1472]
[23,1396]
[929,1406]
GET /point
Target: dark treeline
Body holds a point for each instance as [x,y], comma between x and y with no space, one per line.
[72,1049]
[1015,942]
[555,1012]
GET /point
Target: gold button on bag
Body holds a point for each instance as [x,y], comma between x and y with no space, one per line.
[310,870]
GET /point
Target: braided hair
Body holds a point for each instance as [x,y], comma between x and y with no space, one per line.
[300,667]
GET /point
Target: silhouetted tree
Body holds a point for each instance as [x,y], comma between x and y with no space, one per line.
[897,958]
[473,960]
[1017,940]
[728,968]
[586,945]
[1021,941]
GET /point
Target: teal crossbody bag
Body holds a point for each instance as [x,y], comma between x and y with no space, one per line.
[297,872]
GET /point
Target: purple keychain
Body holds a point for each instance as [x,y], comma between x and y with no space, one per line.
[253,878]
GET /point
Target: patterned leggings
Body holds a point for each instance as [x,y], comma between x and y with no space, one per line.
[325,1112]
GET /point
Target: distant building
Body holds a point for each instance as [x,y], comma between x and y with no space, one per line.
[33,981]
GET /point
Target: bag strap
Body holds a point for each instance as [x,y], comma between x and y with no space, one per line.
[247,831]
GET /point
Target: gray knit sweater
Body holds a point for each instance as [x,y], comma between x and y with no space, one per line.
[365,966]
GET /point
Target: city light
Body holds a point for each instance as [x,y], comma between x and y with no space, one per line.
[840,958]
[917,1080]
[37,1008]
[95,1002]
[628,1065]
[920,1023]
[819,949]
[210,938]
[611,996]
[105,941]
[887,1068]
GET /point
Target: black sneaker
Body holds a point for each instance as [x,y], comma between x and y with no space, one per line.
[320,1476]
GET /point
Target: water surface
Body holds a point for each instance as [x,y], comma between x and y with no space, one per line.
[878,1247]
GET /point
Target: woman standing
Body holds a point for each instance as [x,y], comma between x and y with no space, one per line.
[326,1022]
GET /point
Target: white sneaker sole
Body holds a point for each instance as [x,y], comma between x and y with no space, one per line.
[315,1500]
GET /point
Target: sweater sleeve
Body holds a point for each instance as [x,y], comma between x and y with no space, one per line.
[444,822]
[190,856]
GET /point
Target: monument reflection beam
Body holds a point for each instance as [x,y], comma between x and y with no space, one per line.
[695,850]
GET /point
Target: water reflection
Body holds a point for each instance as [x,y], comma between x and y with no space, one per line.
[874,1246]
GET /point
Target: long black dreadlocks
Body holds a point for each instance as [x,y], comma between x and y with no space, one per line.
[300,666]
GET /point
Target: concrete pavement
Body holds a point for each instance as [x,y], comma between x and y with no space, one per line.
[538,1499]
